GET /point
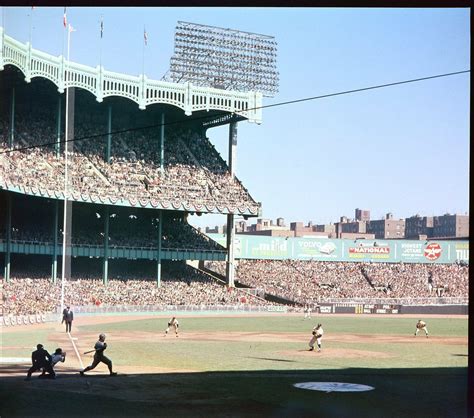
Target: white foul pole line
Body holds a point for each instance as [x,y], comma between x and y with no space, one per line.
[75,349]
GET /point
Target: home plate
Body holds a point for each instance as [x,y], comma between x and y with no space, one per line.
[333,387]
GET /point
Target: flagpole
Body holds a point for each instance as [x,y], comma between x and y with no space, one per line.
[100,42]
[66,139]
[31,17]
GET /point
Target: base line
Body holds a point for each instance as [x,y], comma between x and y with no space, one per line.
[75,349]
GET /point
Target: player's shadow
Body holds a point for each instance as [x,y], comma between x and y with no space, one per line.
[273,359]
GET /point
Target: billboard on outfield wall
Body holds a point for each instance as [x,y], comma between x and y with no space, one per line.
[321,249]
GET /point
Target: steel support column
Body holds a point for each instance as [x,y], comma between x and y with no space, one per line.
[105,269]
[8,224]
[230,267]
[162,144]
[54,261]
[158,256]
[11,137]
[109,135]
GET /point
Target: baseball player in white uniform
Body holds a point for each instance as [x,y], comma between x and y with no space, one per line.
[318,333]
[421,325]
[173,322]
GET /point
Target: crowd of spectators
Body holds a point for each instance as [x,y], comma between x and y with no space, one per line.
[32,292]
[192,172]
[306,281]
[128,227]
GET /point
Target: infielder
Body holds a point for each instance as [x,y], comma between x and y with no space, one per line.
[99,357]
[316,338]
[173,322]
[421,325]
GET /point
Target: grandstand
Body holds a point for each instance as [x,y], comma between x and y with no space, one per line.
[134,175]
[139,164]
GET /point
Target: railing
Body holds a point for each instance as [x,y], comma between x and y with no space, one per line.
[141,90]
[399,301]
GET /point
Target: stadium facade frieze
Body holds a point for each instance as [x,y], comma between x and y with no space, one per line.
[142,203]
[139,89]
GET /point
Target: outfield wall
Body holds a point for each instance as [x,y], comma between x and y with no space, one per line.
[322,249]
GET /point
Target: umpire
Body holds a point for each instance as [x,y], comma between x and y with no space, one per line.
[68,317]
[41,359]
[99,357]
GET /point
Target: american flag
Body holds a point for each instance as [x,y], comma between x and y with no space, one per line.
[64,18]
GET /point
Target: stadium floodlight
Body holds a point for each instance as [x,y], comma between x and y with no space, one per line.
[224,58]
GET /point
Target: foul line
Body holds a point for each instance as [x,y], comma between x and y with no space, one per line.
[75,349]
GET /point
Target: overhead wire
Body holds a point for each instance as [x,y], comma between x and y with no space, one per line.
[197,118]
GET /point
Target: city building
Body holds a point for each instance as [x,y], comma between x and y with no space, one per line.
[418,227]
[387,228]
[451,226]
[362,215]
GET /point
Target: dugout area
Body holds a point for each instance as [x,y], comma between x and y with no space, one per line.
[244,366]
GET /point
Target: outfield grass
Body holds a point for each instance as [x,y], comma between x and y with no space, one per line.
[412,376]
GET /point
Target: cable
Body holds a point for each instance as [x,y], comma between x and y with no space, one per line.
[415,80]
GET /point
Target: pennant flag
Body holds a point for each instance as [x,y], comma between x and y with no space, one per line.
[64,18]
[145,36]
[101,28]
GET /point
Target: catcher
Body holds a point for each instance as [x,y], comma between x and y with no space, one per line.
[316,338]
[58,356]
[99,357]
[173,322]
[421,325]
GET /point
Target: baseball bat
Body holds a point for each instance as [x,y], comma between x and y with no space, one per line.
[87,352]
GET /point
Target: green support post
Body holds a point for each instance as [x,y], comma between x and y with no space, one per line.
[105,276]
[11,137]
[109,135]
[6,274]
[54,264]
[162,144]
[57,146]
[158,258]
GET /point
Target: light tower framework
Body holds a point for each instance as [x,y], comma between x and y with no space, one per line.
[224,58]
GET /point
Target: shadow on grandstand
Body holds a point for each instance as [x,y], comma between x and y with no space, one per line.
[262,393]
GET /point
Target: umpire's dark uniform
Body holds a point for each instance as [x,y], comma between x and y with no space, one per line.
[68,317]
[41,359]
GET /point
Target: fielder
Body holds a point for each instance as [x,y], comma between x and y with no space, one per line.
[421,325]
[99,357]
[318,333]
[173,322]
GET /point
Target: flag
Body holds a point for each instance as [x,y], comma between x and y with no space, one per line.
[64,18]
[71,29]
[101,28]
[145,36]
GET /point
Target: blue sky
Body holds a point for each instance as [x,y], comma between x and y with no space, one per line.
[402,149]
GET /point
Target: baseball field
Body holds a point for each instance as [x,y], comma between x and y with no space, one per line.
[242,365]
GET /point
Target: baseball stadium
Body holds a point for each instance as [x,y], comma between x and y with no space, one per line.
[100,173]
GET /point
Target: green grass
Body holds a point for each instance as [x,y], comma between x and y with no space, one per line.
[422,377]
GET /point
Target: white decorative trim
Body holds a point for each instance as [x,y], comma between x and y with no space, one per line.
[141,90]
